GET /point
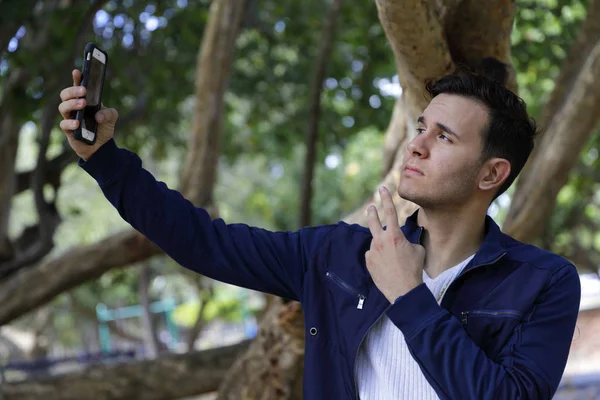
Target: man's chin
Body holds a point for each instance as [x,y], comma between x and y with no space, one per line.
[414,198]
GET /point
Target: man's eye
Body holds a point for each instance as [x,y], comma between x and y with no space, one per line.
[443,136]
[420,130]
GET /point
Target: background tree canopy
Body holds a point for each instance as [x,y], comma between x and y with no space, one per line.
[64,249]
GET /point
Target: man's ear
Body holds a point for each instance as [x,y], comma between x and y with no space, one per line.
[493,174]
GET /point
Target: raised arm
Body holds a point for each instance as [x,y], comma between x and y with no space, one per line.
[271,262]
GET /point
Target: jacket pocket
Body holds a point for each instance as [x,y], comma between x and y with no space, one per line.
[490,329]
[467,315]
[347,288]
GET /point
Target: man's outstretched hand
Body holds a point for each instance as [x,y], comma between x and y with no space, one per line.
[73,99]
[395,264]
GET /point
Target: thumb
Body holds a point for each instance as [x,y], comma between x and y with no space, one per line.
[107,116]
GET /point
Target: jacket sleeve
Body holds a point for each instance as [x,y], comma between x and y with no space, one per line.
[529,366]
[271,262]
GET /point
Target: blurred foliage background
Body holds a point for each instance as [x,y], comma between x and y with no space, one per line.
[153,47]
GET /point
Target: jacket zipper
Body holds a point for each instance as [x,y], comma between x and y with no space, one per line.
[508,313]
[349,289]
[361,302]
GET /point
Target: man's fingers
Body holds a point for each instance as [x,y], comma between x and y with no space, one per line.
[68,125]
[72,92]
[389,209]
[373,221]
[107,115]
[67,107]
[76,77]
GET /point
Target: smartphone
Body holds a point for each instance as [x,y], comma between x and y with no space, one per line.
[93,73]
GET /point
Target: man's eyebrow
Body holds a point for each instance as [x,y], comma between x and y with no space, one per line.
[421,120]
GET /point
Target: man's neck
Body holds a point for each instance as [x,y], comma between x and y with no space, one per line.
[450,237]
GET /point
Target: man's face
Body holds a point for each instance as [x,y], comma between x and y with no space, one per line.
[442,163]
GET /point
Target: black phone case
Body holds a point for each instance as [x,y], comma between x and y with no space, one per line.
[77,134]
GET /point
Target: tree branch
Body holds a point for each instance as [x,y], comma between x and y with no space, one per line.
[574,61]
[54,169]
[559,151]
[214,66]
[570,69]
[422,53]
[50,277]
[36,243]
[464,26]
[169,377]
[395,135]
[39,240]
[314,111]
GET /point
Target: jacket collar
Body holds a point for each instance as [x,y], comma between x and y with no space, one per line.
[492,249]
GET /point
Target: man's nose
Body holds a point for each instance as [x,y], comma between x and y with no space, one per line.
[418,146]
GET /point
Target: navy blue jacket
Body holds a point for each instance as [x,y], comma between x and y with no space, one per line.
[503,330]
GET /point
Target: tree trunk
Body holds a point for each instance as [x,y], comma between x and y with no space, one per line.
[273,365]
[149,333]
[8,154]
[212,75]
[314,112]
[169,377]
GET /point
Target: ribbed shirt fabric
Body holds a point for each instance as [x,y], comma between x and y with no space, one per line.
[385,368]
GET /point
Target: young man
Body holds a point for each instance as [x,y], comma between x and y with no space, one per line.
[446,306]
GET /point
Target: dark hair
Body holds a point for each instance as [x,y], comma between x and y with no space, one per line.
[510,131]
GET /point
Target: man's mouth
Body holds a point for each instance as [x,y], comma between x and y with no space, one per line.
[413,170]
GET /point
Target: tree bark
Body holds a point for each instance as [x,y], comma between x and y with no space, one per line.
[169,377]
[314,111]
[273,365]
